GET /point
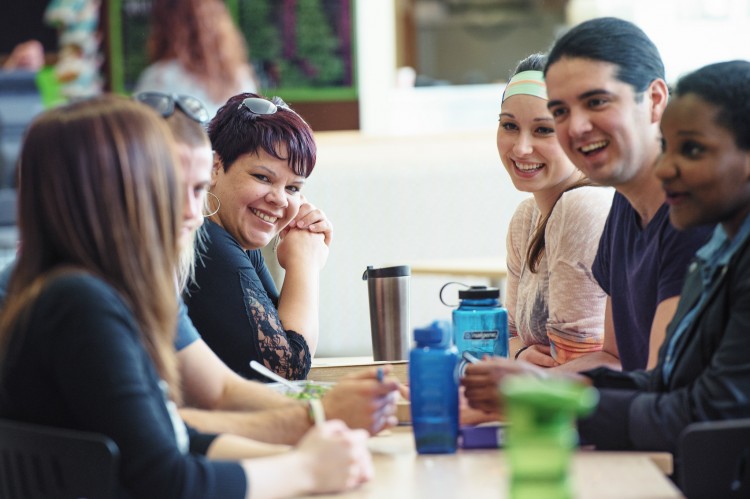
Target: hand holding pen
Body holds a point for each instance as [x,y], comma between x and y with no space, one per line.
[365,399]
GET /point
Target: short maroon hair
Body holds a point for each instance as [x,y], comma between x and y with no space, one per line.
[236,131]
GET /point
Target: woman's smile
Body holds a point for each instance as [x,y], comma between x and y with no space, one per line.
[527,169]
[264,216]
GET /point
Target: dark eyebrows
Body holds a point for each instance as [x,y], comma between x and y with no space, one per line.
[298,179]
[585,95]
[594,92]
[690,133]
[540,118]
[266,170]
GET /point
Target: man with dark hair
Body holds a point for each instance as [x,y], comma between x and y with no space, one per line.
[605,81]
[702,372]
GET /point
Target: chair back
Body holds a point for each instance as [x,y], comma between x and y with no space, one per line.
[713,459]
[20,102]
[44,462]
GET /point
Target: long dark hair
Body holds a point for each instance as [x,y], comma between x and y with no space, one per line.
[535,252]
[536,246]
[98,192]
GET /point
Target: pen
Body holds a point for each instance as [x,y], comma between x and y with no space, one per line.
[316,408]
[380,375]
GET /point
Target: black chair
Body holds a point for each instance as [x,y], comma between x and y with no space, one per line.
[20,102]
[44,462]
[714,459]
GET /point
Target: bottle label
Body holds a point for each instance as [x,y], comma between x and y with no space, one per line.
[481,335]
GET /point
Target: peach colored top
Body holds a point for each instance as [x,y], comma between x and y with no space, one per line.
[561,304]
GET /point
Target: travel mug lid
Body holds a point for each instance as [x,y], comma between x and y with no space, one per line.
[398,271]
[478,293]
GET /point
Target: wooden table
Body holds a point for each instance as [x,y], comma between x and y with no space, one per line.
[331,369]
[477,474]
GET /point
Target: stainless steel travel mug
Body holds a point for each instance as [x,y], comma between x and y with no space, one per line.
[388,291]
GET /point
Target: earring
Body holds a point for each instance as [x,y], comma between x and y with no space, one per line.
[208,211]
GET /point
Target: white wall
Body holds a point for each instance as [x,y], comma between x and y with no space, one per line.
[422,179]
[688,33]
[397,199]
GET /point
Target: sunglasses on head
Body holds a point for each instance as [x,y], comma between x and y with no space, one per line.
[164,104]
[262,107]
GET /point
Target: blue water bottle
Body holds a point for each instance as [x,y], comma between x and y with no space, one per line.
[480,324]
[433,383]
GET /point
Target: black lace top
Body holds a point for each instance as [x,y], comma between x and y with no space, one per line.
[233,306]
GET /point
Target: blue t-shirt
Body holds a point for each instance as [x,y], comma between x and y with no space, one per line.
[639,268]
[4,280]
[186,332]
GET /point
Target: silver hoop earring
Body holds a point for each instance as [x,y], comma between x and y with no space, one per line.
[208,211]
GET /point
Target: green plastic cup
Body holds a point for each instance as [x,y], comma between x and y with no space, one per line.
[542,433]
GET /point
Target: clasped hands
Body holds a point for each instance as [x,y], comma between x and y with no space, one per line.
[306,238]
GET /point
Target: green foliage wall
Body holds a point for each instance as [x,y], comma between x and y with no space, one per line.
[299,45]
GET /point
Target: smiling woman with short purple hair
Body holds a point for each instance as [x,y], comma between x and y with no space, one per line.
[263,153]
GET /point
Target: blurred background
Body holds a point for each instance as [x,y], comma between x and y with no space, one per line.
[404,97]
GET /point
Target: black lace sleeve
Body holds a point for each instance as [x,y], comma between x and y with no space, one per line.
[284,352]
[232,304]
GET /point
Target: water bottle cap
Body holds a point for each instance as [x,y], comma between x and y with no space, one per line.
[432,334]
[478,293]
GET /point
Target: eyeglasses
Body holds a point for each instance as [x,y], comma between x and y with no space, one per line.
[261,107]
[164,104]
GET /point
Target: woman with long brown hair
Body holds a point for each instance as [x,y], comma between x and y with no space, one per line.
[86,331]
[195,48]
[555,307]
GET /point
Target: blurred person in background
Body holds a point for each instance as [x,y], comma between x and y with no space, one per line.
[195,48]
[28,56]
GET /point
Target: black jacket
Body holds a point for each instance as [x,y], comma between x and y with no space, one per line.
[710,379]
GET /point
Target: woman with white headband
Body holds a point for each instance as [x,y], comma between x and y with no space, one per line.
[555,307]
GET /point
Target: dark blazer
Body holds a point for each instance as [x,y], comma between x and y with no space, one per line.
[711,375]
